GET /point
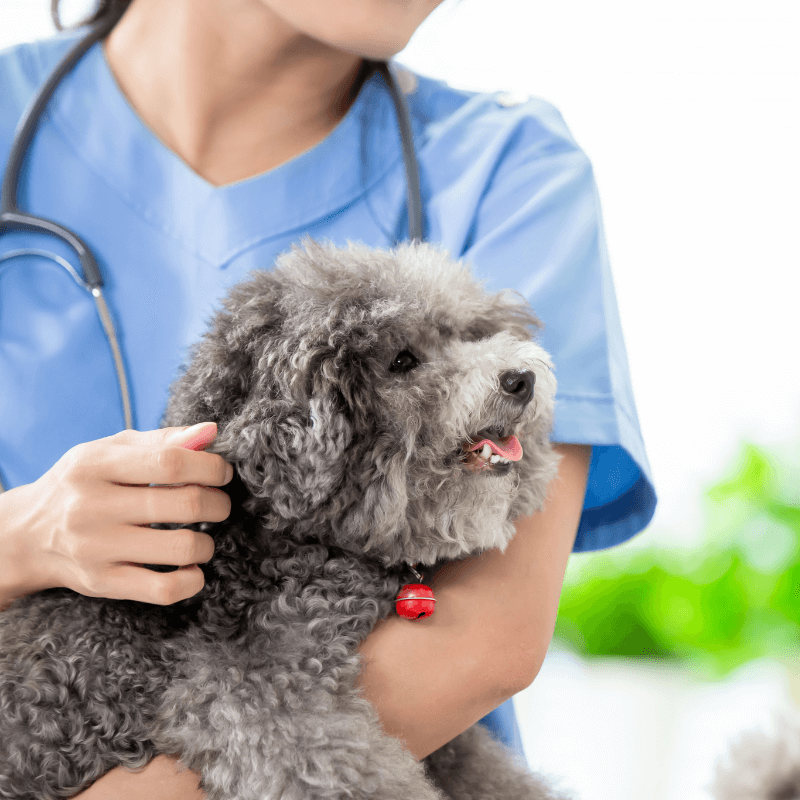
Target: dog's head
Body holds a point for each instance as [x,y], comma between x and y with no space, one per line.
[382,401]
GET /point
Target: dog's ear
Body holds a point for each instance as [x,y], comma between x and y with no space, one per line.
[290,457]
[264,383]
[221,367]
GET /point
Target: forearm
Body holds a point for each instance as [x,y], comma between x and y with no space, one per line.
[495,615]
[18,575]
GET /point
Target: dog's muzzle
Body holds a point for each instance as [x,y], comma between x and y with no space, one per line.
[518,385]
[494,450]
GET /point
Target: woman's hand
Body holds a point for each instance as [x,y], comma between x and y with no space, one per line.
[84,524]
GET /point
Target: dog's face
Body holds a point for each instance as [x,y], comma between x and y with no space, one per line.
[379,400]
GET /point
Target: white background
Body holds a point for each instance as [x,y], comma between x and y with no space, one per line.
[689,112]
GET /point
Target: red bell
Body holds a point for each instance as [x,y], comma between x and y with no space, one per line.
[415,601]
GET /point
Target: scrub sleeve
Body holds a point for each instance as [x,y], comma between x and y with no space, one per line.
[504,187]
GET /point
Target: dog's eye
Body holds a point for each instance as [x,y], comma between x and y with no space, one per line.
[404,361]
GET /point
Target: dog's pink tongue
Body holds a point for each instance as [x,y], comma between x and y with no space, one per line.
[510,449]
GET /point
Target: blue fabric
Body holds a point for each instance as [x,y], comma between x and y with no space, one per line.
[502,724]
[507,189]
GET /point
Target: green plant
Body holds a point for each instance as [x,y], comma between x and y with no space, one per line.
[733,598]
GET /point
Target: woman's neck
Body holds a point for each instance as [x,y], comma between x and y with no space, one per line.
[228,86]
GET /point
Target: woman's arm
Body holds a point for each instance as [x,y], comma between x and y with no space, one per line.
[495,615]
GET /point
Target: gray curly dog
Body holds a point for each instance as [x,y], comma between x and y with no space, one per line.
[348,386]
[762,764]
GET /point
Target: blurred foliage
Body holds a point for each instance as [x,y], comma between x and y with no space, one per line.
[733,598]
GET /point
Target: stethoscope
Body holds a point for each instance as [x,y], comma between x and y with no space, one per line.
[12,217]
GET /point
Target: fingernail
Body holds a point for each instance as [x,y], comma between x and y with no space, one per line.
[228,473]
[200,435]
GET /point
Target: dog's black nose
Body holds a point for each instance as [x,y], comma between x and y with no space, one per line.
[519,384]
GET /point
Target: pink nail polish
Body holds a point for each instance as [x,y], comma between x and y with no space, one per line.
[205,435]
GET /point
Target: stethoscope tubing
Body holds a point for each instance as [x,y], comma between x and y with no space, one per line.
[14,218]
[11,216]
[416,230]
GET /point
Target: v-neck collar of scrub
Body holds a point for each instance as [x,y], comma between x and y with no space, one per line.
[217,223]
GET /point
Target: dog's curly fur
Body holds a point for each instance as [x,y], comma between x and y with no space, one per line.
[762,765]
[344,383]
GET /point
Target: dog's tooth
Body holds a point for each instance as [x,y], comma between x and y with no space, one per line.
[486,452]
[494,459]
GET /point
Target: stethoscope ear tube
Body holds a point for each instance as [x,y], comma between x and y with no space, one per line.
[11,217]
[416,231]
[30,119]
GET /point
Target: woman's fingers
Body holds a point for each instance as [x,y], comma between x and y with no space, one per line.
[169,465]
[132,461]
[109,563]
[145,505]
[130,582]
[178,548]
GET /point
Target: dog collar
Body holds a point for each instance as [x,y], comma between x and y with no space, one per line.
[415,600]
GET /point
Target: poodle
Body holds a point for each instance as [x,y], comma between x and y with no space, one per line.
[375,406]
[762,764]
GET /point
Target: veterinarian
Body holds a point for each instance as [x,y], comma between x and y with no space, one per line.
[197,142]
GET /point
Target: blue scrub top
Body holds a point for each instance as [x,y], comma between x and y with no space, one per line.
[504,187]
